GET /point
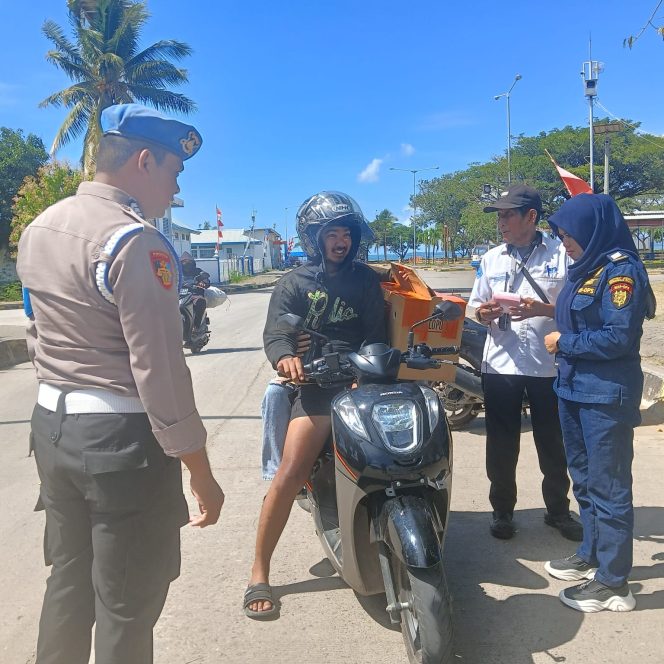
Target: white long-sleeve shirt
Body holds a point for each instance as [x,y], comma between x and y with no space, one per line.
[520,350]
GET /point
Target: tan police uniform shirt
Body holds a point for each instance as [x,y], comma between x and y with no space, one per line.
[82,341]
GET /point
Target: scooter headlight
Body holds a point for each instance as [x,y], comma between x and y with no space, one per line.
[433,406]
[399,423]
[350,415]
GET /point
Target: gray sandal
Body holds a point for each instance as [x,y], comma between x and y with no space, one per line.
[259,592]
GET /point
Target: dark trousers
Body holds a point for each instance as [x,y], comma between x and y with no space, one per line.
[114,508]
[503,396]
[599,443]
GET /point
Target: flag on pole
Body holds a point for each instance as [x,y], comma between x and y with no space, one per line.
[574,184]
[220,235]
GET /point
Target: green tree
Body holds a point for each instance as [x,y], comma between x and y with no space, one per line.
[383,226]
[400,241]
[106,67]
[19,157]
[53,182]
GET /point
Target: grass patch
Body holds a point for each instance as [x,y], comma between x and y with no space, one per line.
[236,277]
[11,292]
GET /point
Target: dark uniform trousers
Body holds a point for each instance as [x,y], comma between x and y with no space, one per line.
[503,398]
[114,507]
[599,440]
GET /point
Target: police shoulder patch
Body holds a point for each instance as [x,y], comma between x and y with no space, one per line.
[162,268]
[621,289]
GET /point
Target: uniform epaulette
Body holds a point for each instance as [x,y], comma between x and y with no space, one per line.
[617,256]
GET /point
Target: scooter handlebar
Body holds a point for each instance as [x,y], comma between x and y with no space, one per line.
[445,350]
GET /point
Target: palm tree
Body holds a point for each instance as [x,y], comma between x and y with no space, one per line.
[106,67]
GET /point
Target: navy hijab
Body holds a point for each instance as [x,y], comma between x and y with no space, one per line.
[597,224]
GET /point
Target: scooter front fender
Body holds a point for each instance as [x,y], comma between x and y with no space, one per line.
[407,524]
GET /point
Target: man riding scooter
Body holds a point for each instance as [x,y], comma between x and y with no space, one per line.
[341,299]
[200,281]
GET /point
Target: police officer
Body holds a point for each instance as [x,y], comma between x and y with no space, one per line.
[600,316]
[115,411]
[532,267]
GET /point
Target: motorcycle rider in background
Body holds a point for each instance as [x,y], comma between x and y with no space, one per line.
[342,299]
[200,281]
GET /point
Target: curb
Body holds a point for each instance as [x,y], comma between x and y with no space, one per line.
[11,305]
[653,386]
[243,288]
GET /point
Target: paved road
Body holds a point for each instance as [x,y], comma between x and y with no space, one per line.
[506,610]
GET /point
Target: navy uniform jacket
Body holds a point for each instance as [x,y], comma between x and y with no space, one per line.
[599,359]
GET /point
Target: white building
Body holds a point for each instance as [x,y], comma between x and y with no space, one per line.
[234,244]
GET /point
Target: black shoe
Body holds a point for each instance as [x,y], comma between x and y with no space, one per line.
[502,526]
[593,596]
[572,568]
[569,527]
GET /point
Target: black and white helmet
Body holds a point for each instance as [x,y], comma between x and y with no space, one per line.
[330,208]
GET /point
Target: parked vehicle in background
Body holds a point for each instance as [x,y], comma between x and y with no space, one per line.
[477,252]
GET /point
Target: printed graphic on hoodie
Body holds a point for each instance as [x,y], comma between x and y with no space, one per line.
[318,304]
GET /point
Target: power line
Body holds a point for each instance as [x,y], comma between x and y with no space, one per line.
[637,131]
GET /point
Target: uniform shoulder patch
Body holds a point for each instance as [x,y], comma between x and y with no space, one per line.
[618,256]
[621,289]
[162,268]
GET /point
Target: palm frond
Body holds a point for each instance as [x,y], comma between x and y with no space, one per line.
[164,49]
[77,71]
[158,73]
[75,123]
[164,100]
[52,31]
[124,39]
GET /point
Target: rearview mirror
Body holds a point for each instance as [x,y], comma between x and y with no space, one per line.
[448,310]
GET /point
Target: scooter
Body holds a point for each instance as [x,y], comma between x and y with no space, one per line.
[463,398]
[380,494]
[194,338]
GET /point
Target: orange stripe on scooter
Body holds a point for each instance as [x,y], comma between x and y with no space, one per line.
[351,472]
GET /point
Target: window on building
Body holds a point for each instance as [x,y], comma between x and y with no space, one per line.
[176,235]
[194,252]
[229,252]
[205,252]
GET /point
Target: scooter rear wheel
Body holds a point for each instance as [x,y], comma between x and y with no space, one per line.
[426,622]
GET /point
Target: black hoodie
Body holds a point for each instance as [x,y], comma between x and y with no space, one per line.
[347,307]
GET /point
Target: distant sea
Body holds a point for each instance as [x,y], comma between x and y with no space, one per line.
[380,256]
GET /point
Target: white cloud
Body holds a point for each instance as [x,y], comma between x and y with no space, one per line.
[407,150]
[370,173]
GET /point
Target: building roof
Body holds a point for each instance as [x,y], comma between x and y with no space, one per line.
[181,227]
[230,236]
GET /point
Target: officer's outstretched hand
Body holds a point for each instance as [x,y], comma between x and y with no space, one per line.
[207,492]
[210,499]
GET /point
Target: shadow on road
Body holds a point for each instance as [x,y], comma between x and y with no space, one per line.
[223,351]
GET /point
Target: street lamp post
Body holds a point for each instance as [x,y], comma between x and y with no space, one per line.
[414,171]
[509,127]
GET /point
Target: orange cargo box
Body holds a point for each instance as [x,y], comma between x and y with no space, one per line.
[409,300]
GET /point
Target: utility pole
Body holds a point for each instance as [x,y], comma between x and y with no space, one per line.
[590,73]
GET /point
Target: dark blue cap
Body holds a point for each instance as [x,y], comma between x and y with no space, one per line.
[136,121]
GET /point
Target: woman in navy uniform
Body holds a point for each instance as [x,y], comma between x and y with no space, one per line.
[599,315]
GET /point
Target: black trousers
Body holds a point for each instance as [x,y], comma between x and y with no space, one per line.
[114,507]
[503,395]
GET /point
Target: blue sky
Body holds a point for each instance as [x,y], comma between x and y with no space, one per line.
[295,97]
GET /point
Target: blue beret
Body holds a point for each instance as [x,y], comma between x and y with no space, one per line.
[136,121]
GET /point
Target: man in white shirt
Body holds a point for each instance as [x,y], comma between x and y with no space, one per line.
[515,361]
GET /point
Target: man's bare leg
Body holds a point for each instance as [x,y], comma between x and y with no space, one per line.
[304,442]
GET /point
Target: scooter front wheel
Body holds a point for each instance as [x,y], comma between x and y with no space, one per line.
[426,617]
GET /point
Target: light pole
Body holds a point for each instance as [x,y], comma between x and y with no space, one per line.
[509,127]
[414,171]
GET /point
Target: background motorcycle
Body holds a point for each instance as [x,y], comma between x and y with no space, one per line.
[380,497]
[464,398]
[193,337]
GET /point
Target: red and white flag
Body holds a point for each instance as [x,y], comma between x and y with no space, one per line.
[574,184]
[220,235]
